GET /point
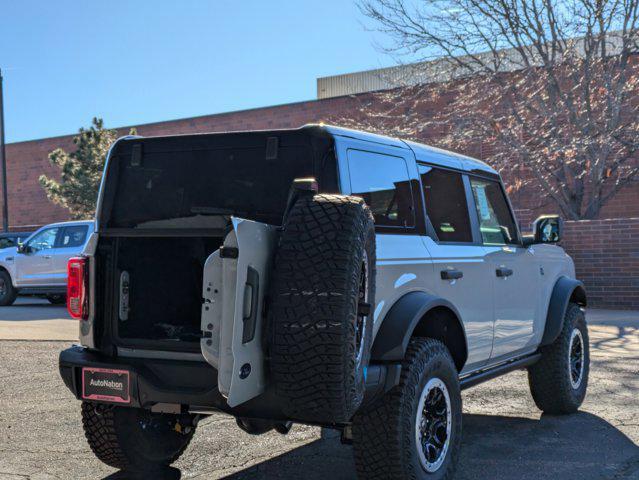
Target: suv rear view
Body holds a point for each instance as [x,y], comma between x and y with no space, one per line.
[319,276]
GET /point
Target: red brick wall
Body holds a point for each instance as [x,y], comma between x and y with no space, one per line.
[26,161]
[606,255]
[28,204]
[606,252]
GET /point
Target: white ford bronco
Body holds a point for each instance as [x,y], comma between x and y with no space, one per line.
[321,276]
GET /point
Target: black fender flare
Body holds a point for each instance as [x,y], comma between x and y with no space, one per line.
[562,292]
[397,328]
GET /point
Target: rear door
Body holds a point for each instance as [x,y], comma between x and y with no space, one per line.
[514,272]
[235,282]
[461,269]
[70,243]
[34,267]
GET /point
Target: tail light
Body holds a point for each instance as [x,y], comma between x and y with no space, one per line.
[77,291]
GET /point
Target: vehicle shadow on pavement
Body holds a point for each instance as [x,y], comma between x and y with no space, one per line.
[579,446]
[29,309]
[168,473]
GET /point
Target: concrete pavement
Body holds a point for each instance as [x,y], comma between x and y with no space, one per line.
[505,436]
[31,318]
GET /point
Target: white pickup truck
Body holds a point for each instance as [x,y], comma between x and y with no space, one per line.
[38,266]
[318,275]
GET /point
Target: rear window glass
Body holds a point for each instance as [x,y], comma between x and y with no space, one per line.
[187,185]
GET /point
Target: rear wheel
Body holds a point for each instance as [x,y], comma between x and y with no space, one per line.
[8,293]
[558,381]
[320,320]
[57,299]
[133,438]
[414,431]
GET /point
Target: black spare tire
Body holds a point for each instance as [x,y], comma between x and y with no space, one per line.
[320,315]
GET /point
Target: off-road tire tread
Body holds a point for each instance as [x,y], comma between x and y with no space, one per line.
[103,438]
[548,378]
[382,431]
[312,363]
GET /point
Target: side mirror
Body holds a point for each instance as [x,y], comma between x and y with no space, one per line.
[23,248]
[547,229]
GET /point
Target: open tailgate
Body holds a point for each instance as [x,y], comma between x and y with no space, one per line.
[235,283]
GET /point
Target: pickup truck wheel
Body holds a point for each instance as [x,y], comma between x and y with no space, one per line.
[320,317]
[414,430]
[133,438]
[57,299]
[8,293]
[558,381]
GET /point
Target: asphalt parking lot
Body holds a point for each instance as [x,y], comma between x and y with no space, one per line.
[505,436]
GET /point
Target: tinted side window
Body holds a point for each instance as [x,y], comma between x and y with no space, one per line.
[495,219]
[384,184]
[73,236]
[6,242]
[446,205]
[44,240]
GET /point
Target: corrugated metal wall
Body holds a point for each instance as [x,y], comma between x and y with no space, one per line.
[368,81]
[435,71]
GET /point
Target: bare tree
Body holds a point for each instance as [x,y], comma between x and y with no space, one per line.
[552,85]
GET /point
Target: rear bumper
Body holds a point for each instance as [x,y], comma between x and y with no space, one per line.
[151,381]
[193,384]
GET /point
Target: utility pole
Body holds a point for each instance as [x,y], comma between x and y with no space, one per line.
[3,165]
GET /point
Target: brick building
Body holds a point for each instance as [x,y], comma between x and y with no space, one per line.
[339,96]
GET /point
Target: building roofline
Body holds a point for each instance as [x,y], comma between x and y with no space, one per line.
[181,119]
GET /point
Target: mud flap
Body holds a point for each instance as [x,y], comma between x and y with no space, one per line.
[235,282]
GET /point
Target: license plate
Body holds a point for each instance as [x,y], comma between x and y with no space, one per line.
[105,384]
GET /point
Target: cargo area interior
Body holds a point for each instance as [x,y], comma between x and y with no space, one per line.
[165,286]
[167,206]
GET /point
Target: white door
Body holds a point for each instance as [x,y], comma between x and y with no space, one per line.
[34,267]
[462,273]
[515,271]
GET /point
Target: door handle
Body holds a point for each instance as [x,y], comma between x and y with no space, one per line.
[47,257]
[249,316]
[451,274]
[503,272]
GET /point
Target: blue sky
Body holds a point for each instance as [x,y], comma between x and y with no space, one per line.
[136,62]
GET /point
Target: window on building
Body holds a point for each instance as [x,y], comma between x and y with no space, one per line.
[384,184]
[496,222]
[446,205]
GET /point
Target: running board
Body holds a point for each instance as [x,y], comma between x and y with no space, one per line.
[484,375]
[53,290]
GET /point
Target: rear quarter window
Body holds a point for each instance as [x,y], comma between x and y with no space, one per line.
[384,183]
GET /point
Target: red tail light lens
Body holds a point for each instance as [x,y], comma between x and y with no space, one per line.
[77,281]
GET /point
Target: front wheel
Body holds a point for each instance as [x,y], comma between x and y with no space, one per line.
[8,293]
[133,438]
[414,431]
[558,381]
